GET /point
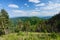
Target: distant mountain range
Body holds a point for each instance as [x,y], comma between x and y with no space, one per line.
[46,17]
[25,18]
[53,21]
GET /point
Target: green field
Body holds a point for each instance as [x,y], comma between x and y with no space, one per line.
[31,36]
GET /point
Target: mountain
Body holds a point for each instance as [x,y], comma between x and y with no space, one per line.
[46,17]
[15,20]
[52,24]
[55,18]
[25,18]
[55,22]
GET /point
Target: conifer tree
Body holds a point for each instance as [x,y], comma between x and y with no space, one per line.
[4,20]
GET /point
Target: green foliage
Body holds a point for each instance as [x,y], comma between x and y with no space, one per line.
[30,36]
[28,24]
[1,32]
[54,22]
[4,21]
[35,24]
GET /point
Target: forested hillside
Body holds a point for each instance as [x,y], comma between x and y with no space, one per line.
[28,24]
[55,22]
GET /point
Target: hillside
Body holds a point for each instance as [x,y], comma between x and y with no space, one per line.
[26,19]
[55,22]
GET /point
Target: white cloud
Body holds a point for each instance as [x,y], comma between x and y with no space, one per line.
[48,9]
[26,4]
[56,1]
[34,1]
[21,13]
[18,13]
[48,13]
[51,5]
[43,13]
[34,13]
[13,6]
[57,9]
[41,4]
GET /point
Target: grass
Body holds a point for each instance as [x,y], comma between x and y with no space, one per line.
[31,36]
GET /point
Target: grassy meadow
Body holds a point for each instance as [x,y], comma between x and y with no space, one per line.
[31,36]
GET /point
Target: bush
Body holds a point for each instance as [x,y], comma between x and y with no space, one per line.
[2,32]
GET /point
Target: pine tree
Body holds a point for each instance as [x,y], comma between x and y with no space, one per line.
[4,20]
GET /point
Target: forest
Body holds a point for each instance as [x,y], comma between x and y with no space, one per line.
[28,24]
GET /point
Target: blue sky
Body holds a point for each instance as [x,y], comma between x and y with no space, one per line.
[19,8]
